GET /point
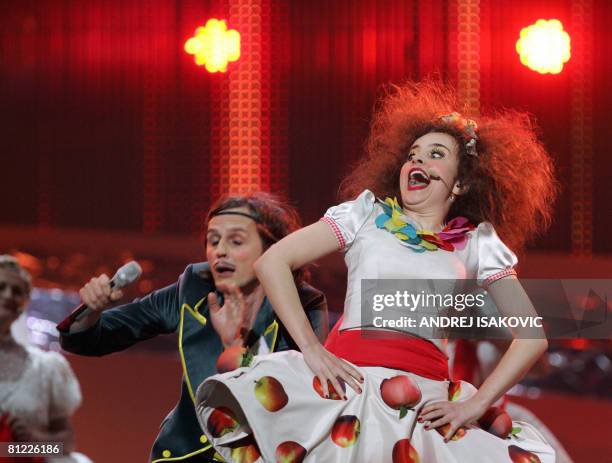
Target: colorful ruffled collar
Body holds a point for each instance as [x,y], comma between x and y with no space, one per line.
[453,236]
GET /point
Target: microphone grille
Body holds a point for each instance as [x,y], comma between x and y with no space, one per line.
[127,274]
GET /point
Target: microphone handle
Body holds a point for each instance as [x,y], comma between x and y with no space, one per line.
[77,314]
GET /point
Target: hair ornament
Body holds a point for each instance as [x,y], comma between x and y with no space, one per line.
[468,128]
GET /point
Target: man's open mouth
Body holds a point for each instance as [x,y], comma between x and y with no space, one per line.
[417,179]
[224,269]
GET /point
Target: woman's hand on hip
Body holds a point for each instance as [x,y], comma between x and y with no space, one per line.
[331,370]
[458,414]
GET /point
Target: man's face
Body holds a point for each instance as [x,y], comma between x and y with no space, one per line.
[13,296]
[232,247]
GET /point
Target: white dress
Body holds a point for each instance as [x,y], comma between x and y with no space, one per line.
[47,389]
[273,410]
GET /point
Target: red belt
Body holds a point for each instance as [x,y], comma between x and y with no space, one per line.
[390,350]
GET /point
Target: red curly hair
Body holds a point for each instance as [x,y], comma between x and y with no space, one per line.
[511,183]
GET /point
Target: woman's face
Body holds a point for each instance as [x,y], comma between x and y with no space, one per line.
[429,175]
[232,247]
[13,296]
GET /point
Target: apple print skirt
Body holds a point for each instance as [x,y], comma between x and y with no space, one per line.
[275,411]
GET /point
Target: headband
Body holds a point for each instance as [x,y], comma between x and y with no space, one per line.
[244,214]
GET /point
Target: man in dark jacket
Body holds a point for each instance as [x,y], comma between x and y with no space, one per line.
[213,306]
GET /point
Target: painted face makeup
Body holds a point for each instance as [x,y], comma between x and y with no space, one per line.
[427,177]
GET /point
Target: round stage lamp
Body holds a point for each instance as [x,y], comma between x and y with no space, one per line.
[213,45]
[544,46]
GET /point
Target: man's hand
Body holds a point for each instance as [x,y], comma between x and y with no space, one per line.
[98,295]
[232,321]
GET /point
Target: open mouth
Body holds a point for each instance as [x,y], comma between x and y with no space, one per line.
[223,269]
[418,179]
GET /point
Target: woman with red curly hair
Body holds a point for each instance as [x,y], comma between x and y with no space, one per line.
[459,194]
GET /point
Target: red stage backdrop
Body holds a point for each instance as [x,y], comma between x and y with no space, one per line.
[107,123]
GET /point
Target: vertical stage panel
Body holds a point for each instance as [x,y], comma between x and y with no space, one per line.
[468,54]
[219,159]
[581,133]
[155,90]
[431,26]
[276,40]
[248,152]
[245,98]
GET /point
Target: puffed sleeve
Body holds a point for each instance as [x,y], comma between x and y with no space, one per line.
[65,390]
[346,219]
[495,259]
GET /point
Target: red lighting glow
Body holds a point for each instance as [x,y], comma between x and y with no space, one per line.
[213,46]
[544,46]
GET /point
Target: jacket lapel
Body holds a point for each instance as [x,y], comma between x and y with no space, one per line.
[266,325]
[200,346]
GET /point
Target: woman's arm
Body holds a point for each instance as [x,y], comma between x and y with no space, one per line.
[527,346]
[274,271]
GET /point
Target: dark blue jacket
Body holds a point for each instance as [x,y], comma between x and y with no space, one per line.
[182,308]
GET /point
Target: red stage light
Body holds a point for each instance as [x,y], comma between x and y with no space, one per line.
[544,46]
[579,343]
[213,46]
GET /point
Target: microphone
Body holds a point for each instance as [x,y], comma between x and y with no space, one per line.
[436,177]
[126,275]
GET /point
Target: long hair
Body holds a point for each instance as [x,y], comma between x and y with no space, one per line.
[510,184]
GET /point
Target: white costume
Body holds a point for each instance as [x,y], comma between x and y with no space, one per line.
[274,408]
[45,390]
